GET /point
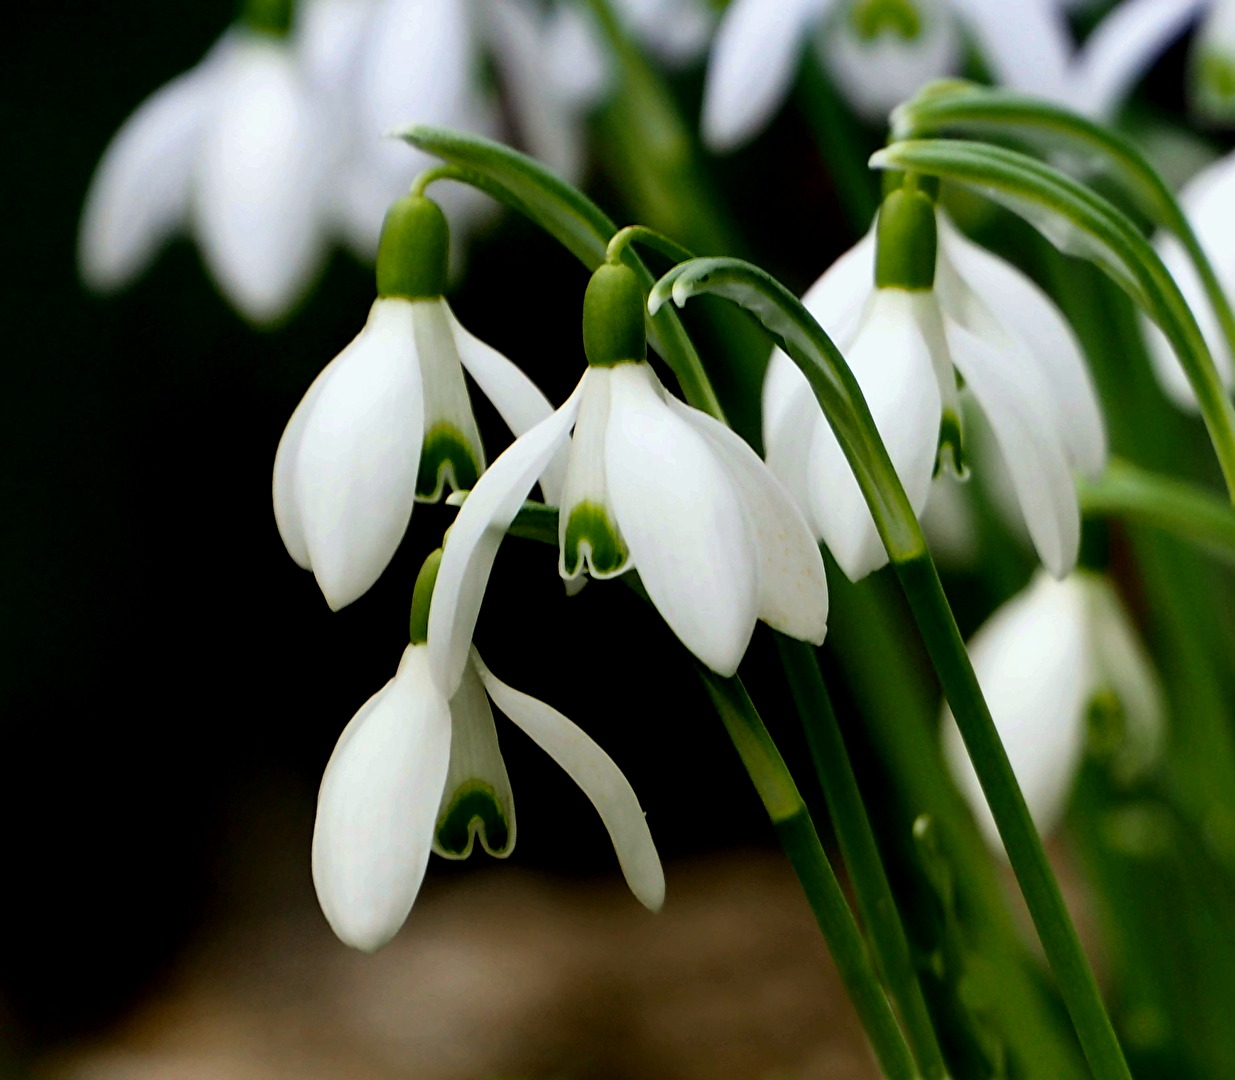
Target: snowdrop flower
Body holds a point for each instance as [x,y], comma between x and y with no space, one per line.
[1052,659]
[388,421]
[1206,200]
[417,770]
[231,150]
[651,485]
[911,315]
[880,52]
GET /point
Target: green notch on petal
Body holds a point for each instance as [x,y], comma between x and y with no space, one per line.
[951,452]
[872,19]
[273,17]
[1106,725]
[606,553]
[446,458]
[473,812]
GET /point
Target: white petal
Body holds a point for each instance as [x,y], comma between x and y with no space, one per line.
[139,194]
[599,778]
[876,75]
[1017,404]
[682,520]
[1033,664]
[473,540]
[257,194]
[377,805]
[793,589]
[1026,313]
[675,31]
[576,60]
[1122,49]
[754,58]
[453,453]
[838,299]
[351,462]
[1026,43]
[477,800]
[1214,47]
[892,363]
[517,399]
[788,437]
[1206,199]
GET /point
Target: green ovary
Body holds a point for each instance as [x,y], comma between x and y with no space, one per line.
[872,19]
[589,524]
[446,457]
[474,811]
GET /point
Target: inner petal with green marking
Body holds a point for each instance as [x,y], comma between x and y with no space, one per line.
[591,536]
[951,452]
[873,19]
[447,457]
[474,811]
[1216,75]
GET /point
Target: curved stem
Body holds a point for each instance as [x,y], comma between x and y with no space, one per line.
[861,853]
[630,234]
[780,797]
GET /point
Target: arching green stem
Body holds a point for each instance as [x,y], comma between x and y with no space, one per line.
[806,343]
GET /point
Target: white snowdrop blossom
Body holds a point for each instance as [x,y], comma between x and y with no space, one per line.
[1206,200]
[1050,659]
[880,52]
[986,322]
[389,422]
[416,771]
[651,485]
[229,150]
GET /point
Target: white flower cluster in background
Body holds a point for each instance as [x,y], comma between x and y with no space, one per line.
[271,149]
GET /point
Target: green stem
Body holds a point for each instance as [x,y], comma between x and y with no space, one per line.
[861,853]
[1138,495]
[780,797]
[1077,984]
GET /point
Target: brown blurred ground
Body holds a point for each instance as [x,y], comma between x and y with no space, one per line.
[505,974]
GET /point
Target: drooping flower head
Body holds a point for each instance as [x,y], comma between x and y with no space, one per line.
[651,485]
[388,421]
[913,306]
[417,770]
[1055,660]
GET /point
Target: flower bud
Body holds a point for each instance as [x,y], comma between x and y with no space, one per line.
[412,254]
[613,307]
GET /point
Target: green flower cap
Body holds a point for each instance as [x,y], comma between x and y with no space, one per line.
[613,307]
[413,252]
[906,241]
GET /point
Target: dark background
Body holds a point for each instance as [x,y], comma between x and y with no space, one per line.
[170,682]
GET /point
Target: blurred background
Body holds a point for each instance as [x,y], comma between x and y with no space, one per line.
[171,684]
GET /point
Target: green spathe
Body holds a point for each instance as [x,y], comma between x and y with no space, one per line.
[589,524]
[413,251]
[473,811]
[447,457]
[907,241]
[613,314]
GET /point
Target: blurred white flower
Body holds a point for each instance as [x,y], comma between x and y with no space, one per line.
[652,485]
[880,52]
[1212,63]
[983,320]
[1045,660]
[232,150]
[415,771]
[1206,200]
